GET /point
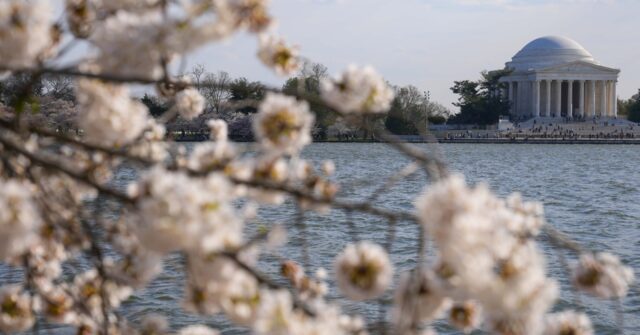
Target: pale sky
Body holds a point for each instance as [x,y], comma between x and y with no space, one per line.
[431,43]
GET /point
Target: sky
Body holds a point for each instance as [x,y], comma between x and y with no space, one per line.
[432,43]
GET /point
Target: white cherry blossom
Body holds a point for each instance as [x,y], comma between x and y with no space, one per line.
[358,90]
[107,114]
[283,124]
[568,322]
[363,271]
[26,30]
[16,314]
[189,103]
[602,275]
[19,218]
[277,55]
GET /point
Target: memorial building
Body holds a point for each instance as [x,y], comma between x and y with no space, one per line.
[556,77]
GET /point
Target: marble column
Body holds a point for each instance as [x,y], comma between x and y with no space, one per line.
[510,97]
[511,94]
[518,98]
[558,99]
[603,98]
[570,100]
[592,98]
[536,98]
[609,98]
[548,109]
[615,98]
[581,102]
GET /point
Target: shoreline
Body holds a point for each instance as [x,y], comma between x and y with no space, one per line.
[497,140]
[541,140]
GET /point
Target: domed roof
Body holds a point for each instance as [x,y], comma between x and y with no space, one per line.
[549,51]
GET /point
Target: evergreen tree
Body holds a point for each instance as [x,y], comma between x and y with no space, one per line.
[480,101]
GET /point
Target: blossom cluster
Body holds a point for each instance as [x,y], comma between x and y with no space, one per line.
[488,260]
[28,32]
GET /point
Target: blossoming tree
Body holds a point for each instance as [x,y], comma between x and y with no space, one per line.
[489,272]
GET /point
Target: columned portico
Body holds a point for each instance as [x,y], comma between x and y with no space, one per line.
[556,77]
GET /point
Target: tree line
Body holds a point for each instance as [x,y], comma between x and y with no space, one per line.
[235,100]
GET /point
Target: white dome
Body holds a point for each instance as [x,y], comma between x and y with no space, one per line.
[549,51]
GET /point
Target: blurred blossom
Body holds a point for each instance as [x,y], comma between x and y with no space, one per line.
[567,322]
[602,275]
[418,298]
[212,156]
[466,316]
[283,124]
[154,324]
[27,32]
[357,90]
[81,16]
[16,314]
[219,130]
[197,330]
[275,314]
[486,255]
[276,54]
[107,114]
[189,103]
[363,271]
[128,45]
[177,212]
[19,218]
[277,237]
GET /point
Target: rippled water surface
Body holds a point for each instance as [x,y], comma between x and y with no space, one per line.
[590,192]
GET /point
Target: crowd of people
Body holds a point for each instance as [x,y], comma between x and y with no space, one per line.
[562,131]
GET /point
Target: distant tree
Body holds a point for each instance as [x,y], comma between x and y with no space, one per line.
[315,71]
[633,108]
[20,88]
[53,113]
[215,87]
[407,111]
[411,111]
[240,127]
[197,72]
[59,87]
[480,101]
[400,126]
[625,105]
[308,83]
[437,119]
[242,90]
[156,107]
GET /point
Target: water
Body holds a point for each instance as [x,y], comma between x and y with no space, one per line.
[591,192]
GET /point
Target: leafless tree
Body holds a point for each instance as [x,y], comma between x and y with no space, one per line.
[215,88]
[197,72]
[58,87]
[313,70]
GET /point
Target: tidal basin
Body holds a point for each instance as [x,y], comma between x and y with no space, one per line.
[590,192]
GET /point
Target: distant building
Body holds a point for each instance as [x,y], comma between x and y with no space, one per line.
[556,77]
